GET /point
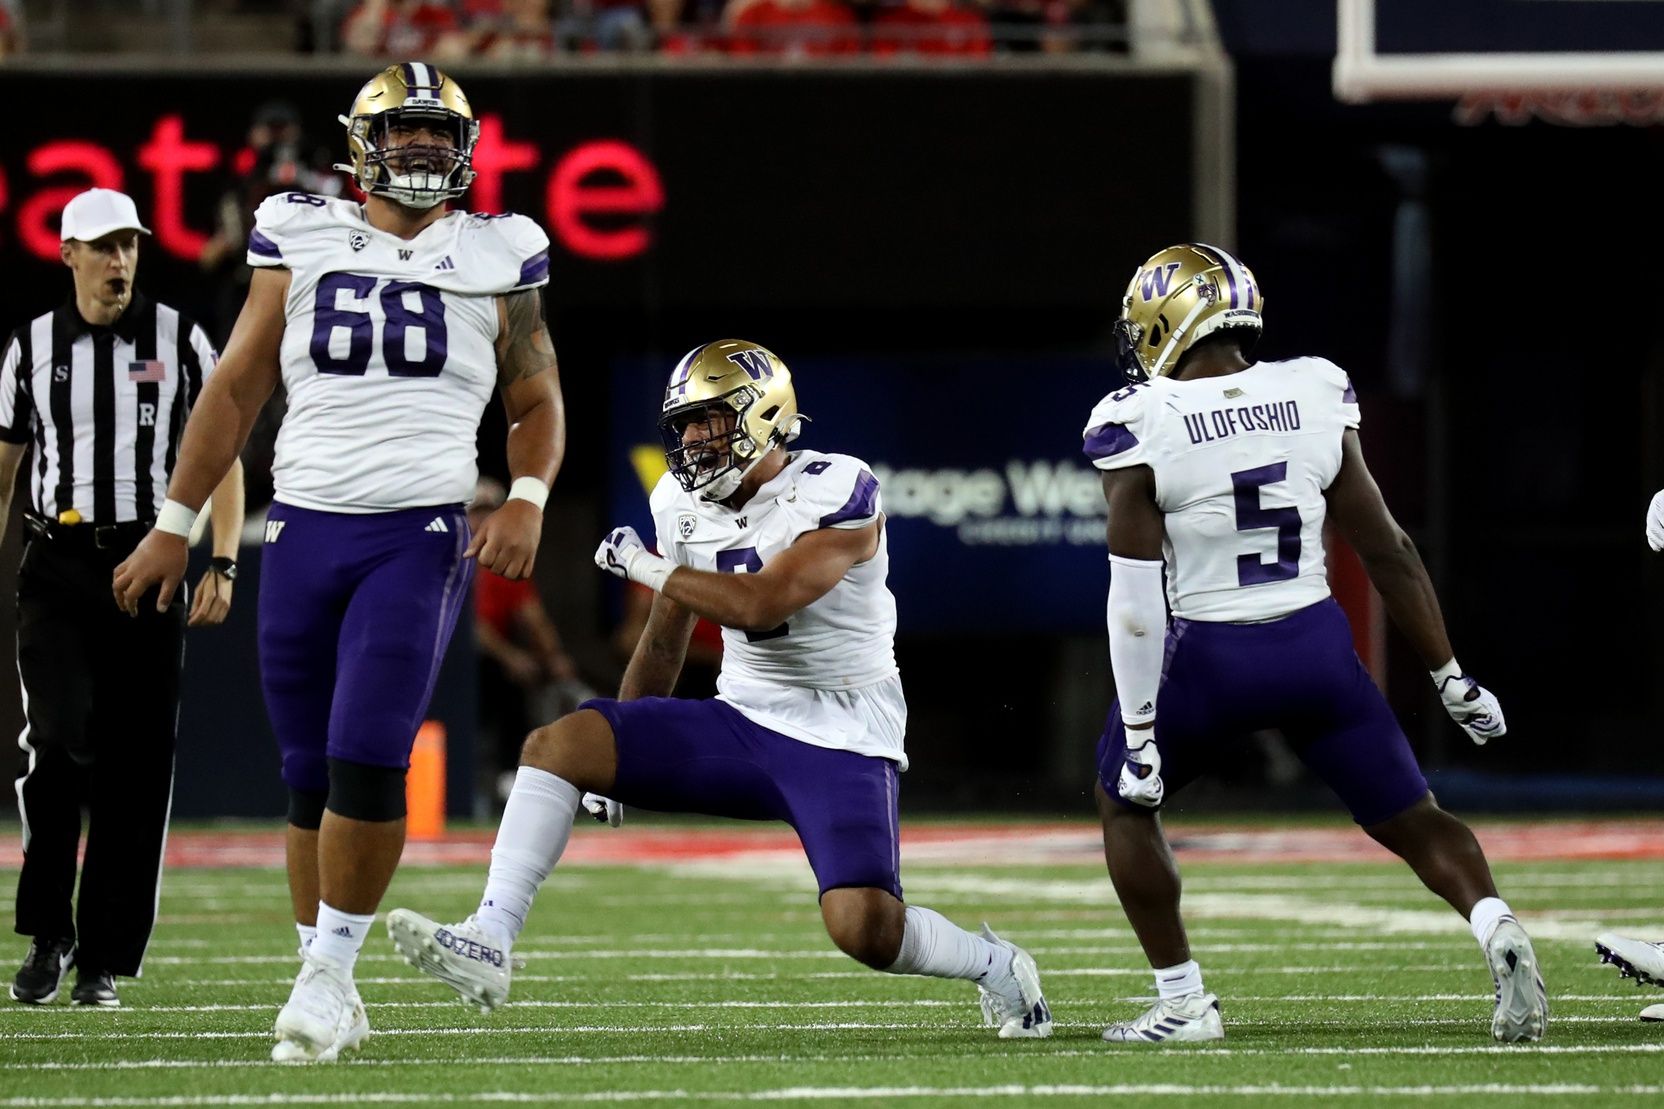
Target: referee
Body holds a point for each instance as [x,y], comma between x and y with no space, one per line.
[100,387]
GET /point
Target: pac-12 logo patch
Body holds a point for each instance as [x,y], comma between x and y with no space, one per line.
[358,240]
[685,523]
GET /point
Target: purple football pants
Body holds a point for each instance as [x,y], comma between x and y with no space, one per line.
[355,615]
[1300,675]
[706,757]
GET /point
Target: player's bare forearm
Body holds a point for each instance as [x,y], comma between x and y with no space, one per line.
[796,578]
[1389,555]
[537,439]
[657,660]
[228,512]
[1408,595]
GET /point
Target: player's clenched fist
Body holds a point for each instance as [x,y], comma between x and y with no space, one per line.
[1140,780]
[1470,704]
[624,554]
[507,541]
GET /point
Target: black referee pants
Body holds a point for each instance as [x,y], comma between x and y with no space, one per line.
[101,700]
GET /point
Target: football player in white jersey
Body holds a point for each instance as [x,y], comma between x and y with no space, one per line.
[389,323]
[1642,960]
[786,550]
[1221,471]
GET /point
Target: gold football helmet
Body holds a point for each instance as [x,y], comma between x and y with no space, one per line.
[1179,297]
[417,176]
[709,383]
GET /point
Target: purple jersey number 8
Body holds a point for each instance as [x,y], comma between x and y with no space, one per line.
[747,560]
[360,327]
[1250,516]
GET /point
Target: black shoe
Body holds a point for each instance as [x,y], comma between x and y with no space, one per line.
[43,971]
[94,987]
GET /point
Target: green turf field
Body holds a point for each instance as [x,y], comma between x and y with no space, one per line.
[712,981]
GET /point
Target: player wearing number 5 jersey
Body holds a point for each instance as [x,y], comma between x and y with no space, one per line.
[787,551]
[1221,472]
[390,324]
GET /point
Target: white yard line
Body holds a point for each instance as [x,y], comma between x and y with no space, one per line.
[853,1093]
[24,1013]
[934,1054]
[495,1029]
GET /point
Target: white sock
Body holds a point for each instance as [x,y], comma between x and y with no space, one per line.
[537,821]
[306,933]
[1486,914]
[932,944]
[1180,981]
[339,936]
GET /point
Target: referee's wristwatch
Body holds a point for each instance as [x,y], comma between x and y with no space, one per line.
[224,567]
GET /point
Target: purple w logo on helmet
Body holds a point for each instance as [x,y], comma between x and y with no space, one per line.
[1157,280]
[753,362]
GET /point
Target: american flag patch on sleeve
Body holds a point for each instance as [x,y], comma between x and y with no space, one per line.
[152,369]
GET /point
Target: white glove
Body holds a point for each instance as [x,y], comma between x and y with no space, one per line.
[1140,780]
[624,554]
[1470,704]
[604,809]
[1655,522]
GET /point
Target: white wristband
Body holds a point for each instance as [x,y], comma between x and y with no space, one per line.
[650,570]
[529,489]
[1444,673]
[175,518]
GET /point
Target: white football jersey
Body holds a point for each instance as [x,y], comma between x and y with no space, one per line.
[828,675]
[1241,462]
[388,348]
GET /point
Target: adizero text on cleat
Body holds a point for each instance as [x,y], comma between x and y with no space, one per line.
[467,958]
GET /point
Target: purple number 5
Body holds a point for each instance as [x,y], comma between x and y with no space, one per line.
[1250,516]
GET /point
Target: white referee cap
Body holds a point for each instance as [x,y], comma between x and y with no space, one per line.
[97,212]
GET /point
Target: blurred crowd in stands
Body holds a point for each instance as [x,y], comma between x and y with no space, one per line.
[530,30]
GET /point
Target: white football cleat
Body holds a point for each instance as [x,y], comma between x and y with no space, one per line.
[323,1013]
[1653,1013]
[1635,959]
[1019,1011]
[1521,1014]
[1193,1018]
[464,956]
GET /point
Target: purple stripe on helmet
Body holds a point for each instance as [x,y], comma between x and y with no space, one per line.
[860,504]
[1108,440]
[535,268]
[408,72]
[1230,279]
[264,247]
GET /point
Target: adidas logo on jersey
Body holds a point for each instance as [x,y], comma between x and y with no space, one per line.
[445,263]
[437,524]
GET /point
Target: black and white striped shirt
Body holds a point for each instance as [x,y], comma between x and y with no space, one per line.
[104,406]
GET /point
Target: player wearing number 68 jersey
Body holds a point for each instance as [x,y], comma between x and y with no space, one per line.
[786,549]
[1220,473]
[390,324]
